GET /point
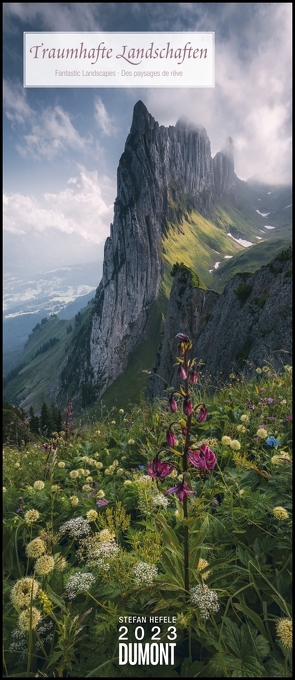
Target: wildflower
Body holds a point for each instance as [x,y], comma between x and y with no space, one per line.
[39,485]
[113,422]
[54,488]
[272,442]
[24,591]
[29,618]
[283,457]
[44,565]
[4,489]
[269,400]
[205,599]
[89,479]
[45,602]
[99,465]
[235,445]
[187,406]
[161,500]
[193,376]
[202,413]
[102,502]
[60,563]
[258,370]
[74,500]
[74,474]
[16,465]
[100,494]
[280,513]
[79,583]
[158,469]
[130,442]
[284,629]
[61,464]
[226,440]
[35,548]
[127,481]
[265,369]
[32,516]
[182,372]
[170,437]
[261,433]
[202,564]
[182,489]
[183,337]
[241,428]
[145,573]
[172,403]
[121,410]
[204,459]
[244,418]
[106,535]
[76,527]
[86,487]
[91,515]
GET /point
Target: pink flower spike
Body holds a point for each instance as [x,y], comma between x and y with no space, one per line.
[202,413]
[159,469]
[181,490]
[183,337]
[170,437]
[187,406]
[173,403]
[193,376]
[204,459]
[182,373]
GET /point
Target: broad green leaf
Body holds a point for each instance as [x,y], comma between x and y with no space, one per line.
[253,616]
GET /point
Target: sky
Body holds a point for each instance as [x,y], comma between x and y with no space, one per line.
[62,145]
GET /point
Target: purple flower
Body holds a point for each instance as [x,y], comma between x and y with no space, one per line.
[172,403]
[193,376]
[202,413]
[158,469]
[183,337]
[204,459]
[170,437]
[270,400]
[101,502]
[187,406]
[182,372]
[181,490]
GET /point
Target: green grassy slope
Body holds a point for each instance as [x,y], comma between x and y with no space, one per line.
[200,244]
[29,387]
[249,260]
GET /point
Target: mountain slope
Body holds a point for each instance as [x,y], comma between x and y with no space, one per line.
[174,204]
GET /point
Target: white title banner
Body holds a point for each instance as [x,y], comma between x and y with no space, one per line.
[119,60]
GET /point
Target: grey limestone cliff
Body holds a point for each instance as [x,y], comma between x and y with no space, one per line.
[158,164]
[246,326]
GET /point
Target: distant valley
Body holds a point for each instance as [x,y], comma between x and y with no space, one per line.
[26,300]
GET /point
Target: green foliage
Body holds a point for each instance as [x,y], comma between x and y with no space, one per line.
[243,291]
[233,527]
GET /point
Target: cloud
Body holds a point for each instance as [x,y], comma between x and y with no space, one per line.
[59,16]
[84,206]
[103,119]
[51,130]
[251,101]
[16,107]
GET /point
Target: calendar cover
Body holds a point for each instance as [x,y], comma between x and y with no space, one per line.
[147,340]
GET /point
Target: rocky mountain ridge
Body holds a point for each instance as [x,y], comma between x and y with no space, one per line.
[247,326]
[159,167]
